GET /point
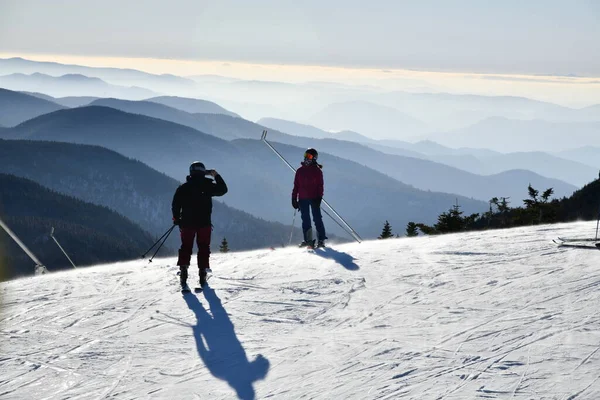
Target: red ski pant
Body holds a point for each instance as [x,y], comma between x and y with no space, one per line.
[202,236]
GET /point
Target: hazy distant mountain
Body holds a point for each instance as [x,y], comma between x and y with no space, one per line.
[433,149]
[192,106]
[446,111]
[423,173]
[69,102]
[100,176]
[373,120]
[298,129]
[118,76]
[361,194]
[477,161]
[75,101]
[588,155]
[353,137]
[208,78]
[429,175]
[591,111]
[295,128]
[201,122]
[71,85]
[259,183]
[18,107]
[507,135]
[40,96]
[573,172]
[90,234]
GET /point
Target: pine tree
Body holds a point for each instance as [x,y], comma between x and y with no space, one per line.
[387,231]
[412,229]
[224,248]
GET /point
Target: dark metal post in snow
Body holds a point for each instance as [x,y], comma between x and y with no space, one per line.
[597,223]
[39,267]
[352,232]
[60,247]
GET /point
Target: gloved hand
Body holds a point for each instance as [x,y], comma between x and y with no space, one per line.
[317,202]
[295,203]
[176,221]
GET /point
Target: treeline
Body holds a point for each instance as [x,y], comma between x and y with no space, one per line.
[538,208]
[90,234]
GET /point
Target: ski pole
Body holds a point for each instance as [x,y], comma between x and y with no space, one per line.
[161,245]
[293,221]
[61,248]
[164,234]
[352,232]
[597,223]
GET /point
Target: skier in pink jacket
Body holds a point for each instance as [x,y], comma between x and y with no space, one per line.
[307,195]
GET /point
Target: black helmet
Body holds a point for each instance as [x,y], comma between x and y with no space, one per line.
[197,168]
[311,155]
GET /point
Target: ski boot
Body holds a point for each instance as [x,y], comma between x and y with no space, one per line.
[203,275]
[308,244]
[183,275]
[321,244]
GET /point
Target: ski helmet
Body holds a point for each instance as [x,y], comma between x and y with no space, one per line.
[311,155]
[197,168]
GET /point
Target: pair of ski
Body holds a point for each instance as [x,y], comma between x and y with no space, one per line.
[579,243]
[198,289]
[186,289]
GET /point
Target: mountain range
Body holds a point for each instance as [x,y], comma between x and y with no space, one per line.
[117,76]
[249,168]
[510,135]
[71,85]
[421,173]
[478,161]
[129,187]
[17,107]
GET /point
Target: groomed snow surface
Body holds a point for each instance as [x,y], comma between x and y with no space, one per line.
[501,314]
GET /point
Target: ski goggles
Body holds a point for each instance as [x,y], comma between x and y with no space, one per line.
[308,156]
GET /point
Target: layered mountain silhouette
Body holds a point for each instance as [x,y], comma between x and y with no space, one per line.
[71,85]
[18,107]
[477,161]
[509,135]
[117,76]
[375,120]
[167,113]
[69,101]
[129,187]
[192,106]
[259,183]
[426,174]
[589,155]
[446,111]
[90,234]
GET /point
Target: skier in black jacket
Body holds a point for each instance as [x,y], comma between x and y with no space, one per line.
[192,209]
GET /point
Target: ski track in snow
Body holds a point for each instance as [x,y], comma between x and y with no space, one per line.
[501,314]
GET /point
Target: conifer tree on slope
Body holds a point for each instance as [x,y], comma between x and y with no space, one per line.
[386,233]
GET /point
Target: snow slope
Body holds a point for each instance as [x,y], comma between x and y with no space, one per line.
[500,314]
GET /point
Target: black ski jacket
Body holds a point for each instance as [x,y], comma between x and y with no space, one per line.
[192,202]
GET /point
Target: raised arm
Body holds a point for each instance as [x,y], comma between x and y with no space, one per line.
[219,188]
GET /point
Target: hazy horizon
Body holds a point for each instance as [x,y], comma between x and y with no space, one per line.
[541,49]
[570,91]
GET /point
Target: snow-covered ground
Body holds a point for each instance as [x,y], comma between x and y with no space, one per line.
[500,314]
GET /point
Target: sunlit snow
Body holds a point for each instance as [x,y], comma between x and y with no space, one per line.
[499,314]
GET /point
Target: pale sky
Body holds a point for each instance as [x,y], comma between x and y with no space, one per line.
[507,37]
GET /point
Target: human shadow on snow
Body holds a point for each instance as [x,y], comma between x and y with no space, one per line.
[344,259]
[221,350]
